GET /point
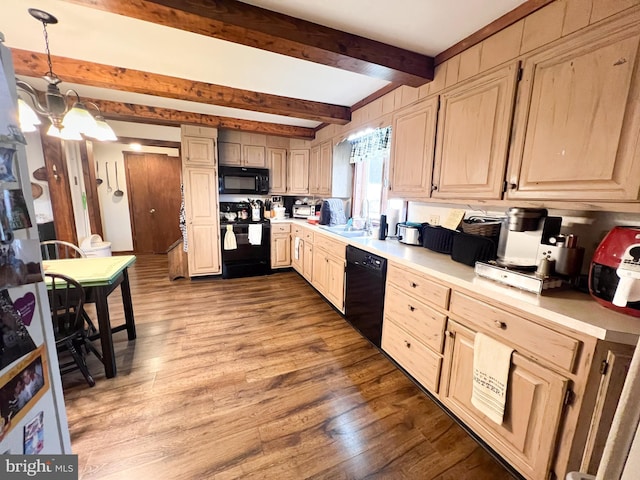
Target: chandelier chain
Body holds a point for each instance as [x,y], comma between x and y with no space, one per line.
[46,44]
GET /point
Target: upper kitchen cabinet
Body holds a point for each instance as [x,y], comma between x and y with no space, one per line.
[277,164]
[298,172]
[578,118]
[198,146]
[412,146]
[472,144]
[320,169]
[242,149]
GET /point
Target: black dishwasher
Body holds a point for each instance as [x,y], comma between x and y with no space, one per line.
[364,301]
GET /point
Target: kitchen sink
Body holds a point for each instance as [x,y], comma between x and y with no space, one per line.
[344,231]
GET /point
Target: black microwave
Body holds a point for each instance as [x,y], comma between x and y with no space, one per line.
[250,181]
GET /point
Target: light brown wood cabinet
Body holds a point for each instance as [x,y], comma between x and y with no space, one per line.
[242,149]
[280,245]
[563,384]
[412,149]
[198,152]
[535,400]
[298,172]
[329,269]
[578,118]
[320,169]
[202,218]
[303,264]
[200,183]
[277,164]
[474,123]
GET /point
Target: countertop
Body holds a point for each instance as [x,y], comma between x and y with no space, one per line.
[566,307]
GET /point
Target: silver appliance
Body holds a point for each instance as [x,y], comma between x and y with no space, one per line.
[409,234]
[304,210]
[525,231]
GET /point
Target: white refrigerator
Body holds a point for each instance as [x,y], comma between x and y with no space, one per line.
[33,419]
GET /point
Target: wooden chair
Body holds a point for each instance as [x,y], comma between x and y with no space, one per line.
[56,249]
[66,299]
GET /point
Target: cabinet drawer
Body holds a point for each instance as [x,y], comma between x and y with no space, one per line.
[297,230]
[415,357]
[307,235]
[540,341]
[418,285]
[330,245]
[280,227]
[415,317]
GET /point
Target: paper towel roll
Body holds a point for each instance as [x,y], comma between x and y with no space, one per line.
[393,217]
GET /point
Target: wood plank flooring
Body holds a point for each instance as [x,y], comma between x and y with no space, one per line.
[255,378]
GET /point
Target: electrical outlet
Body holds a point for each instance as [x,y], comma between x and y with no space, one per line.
[434,219]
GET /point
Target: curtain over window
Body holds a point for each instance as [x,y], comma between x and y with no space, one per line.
[371,144]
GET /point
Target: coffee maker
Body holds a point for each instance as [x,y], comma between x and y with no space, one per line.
[523,233]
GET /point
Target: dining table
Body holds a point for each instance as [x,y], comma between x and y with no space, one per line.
[100,276]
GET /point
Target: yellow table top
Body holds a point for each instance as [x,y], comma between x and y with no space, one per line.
[90,272]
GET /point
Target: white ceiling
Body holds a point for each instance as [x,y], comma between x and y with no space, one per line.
[423,26]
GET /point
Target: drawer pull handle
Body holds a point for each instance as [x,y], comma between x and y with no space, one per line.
[500,324]
[412,308]
[414,284]
[407,344]
[448,333]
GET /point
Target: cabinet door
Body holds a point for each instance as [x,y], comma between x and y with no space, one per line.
[201,208]
[535,399]
[307,261]
[198,151]
[314,169]
[298,172]
[297,259]
[321,170]
[412,146]
[578,119]
[229,153]
[320,269]
[474,122]
[277,162]
[280,250]
[253,156]
[335,281]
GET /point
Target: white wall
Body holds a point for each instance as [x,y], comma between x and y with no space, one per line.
[35,160]
[116,221]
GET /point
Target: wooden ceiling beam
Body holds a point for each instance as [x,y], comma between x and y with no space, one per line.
[257,27]
[130,112]
[34,64]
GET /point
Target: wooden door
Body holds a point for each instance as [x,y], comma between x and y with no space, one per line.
[320,270]
[335,282]
[153,182]
[474,123]
[253,156]
[280,250]
[535,400]
[307,261]
[325,169]
[578,120]
[203,231]
[412,146]
[199,151]
[229,153]
[277,161]
[298,172]
[314,169]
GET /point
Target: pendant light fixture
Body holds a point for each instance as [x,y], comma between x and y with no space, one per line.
[70,119]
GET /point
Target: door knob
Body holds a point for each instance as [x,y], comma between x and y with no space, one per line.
[153,210]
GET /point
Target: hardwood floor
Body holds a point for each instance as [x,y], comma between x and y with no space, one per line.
[256,379]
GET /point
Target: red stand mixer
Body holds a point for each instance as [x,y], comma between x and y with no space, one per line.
[614,276]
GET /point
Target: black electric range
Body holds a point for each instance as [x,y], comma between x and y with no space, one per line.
[245,241]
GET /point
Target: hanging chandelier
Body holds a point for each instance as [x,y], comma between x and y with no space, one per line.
[67,123]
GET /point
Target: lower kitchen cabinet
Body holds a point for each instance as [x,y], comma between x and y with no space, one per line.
[280,245]
[302,251]
[534,405]
[329,269]
[563,385]
[307,260]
